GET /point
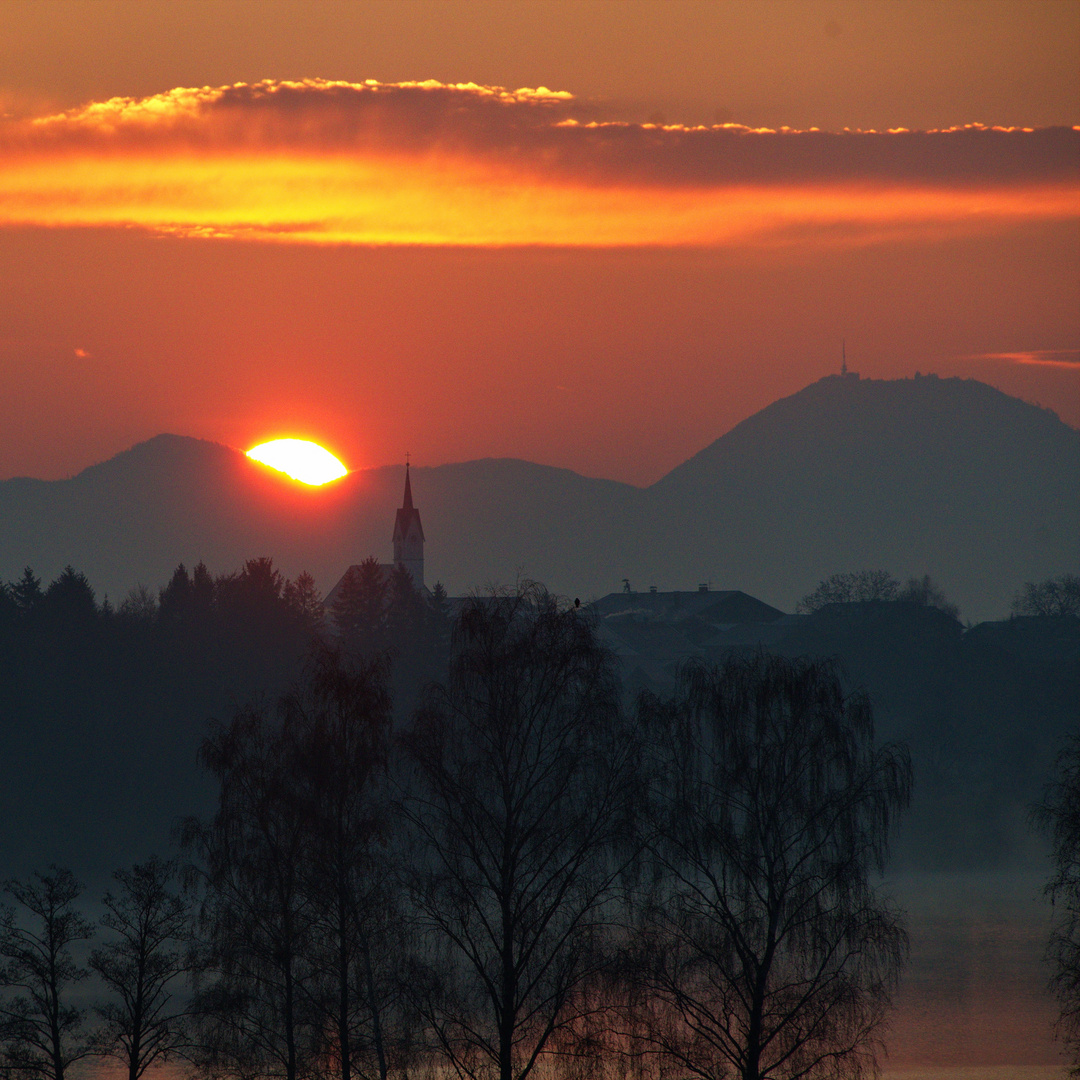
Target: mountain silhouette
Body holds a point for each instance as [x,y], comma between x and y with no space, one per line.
[942,476]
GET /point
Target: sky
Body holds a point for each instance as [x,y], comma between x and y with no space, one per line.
[591,234]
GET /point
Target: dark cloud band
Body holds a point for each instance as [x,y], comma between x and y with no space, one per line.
[546,134]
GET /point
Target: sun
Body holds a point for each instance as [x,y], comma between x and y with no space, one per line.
[305,461]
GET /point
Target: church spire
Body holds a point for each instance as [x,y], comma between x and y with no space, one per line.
[407,501]
[409,535]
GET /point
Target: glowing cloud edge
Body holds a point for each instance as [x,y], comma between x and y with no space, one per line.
[417,164]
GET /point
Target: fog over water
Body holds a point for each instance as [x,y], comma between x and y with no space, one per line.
[973,1004]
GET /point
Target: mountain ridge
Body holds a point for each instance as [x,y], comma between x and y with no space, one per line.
[943,476]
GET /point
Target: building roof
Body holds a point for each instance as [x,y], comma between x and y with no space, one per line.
[385,568]
[723,606]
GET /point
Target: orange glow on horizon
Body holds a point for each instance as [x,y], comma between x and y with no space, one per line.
[346,199]
[300,459]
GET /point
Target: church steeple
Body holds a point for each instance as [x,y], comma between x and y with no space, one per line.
[409,536]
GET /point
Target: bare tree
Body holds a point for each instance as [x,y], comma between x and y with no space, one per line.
[860,586]
[139,607]
[298,916]
[339,722]
[525,782]
[1059,816]
[142,966]
[42,1033]
[769,952]
[1054,596]
[255,915]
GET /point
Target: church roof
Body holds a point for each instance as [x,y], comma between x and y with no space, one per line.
[386,569]
[332,596]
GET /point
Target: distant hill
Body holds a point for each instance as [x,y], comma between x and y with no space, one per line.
[942,476]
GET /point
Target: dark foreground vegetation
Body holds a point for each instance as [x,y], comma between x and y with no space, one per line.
[1059,816]
[442,840]
[102,706]
[528,878]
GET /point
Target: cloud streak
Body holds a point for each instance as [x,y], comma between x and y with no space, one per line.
[1069,359]
[429,163]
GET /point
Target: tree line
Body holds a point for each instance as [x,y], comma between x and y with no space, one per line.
[258,604]
[1050,597]
[862,586]
[67,657]
[527,876]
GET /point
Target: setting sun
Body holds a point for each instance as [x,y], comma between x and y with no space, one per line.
[305,461]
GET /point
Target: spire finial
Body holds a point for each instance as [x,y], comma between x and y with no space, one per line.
[843,355]
[406,503]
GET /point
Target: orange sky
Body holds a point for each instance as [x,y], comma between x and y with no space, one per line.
[605,275]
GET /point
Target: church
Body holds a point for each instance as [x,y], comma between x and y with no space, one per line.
[408,548]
